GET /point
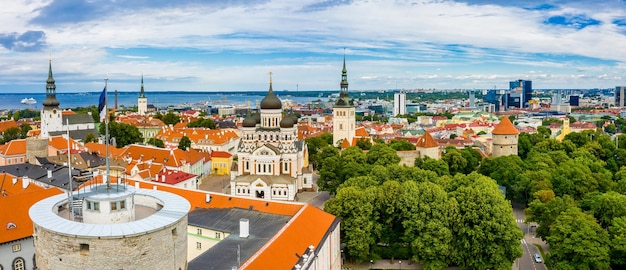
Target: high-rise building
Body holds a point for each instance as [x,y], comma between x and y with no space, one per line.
[399,103]
[520,93]
[142,100]
[620,96]
[343,112]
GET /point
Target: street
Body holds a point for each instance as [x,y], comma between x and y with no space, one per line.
[527,261]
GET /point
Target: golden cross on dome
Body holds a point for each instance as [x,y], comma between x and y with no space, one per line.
[271,77]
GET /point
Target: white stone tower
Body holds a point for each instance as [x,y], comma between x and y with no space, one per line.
[50,114]
[343,112]
[427,146]
[142,100]
[504,138]
[111,227]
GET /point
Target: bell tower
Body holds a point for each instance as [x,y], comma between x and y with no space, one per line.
[343,112]
[50,114]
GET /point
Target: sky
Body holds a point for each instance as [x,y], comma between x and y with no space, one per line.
[224,45]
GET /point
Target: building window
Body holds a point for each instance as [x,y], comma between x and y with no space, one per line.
[17,247]
[199,231]
[122,204]
[218,235]
[18,264]
[198,245]
[94,206]
[113,206]
[84,247]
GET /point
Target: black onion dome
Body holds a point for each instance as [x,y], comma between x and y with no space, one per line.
[270,101]
[287,122]
[249,121]
[293,117]
[257,118]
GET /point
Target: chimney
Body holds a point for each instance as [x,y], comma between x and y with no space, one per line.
[49,173]
[244,228]
[14,180]
[208,198]
[25,182]
[163,178]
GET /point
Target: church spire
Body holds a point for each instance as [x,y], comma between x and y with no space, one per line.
[142,94]
[51,99]
[344,96]
[344,78]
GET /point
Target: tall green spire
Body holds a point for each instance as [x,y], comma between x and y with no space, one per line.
[51,96]
[142,94]
[344,97]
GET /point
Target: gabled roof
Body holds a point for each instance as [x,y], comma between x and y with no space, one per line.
[505,127]
[100,149]
[4,125]
[14,147]
[172,177]
[426,141]
[15,222]
[172,158]
[60,143]
[361,132]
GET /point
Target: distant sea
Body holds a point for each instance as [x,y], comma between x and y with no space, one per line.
[158,99]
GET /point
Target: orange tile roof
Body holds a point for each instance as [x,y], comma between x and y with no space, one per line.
[198,135]
[426,141]
[505,127]
[14,147]
[67,112]
[309,227]
[14,207]
[100,149]
[172,177]
[60,143]
[220,154]
[345,144]
[4,125]
[361,132]
[169,157]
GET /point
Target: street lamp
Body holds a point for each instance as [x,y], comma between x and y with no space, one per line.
[371,261]
[400,264]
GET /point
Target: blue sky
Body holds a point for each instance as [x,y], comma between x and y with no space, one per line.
[233,45]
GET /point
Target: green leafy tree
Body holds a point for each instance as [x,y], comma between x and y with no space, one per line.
[545,212]
[427,227]
[401,145]
[485,232]
[607,206]
[382,154]
[364,144]
[328,151]
[184,143]
[455,160]
[90,138]
[24,129]
[202,122]
[124,134]
[573,178]
[331,174]
[436,165]
[170,118]
[12,133]
[355,207]
[156,142]
[578,242]
[617,233]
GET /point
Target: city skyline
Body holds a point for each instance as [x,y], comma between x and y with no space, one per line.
[233,45]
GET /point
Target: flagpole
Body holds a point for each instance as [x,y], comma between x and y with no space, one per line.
[106,136]
[69,166]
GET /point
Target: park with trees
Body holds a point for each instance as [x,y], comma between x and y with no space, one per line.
[450,211]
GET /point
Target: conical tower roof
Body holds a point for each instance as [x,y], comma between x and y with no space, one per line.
[505,127]
[51,100]
[426,141]
[142,94]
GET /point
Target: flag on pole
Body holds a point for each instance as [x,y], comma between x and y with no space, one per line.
[102,106]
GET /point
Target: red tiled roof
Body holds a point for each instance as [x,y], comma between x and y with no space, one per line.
[4,125]
[14,147]
[172,177]
[426,141]
[14,207]
[220,154]
[505,127]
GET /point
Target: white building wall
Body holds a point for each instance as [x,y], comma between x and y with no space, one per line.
[399,103]
[343,124]
[51,121]
[142,106]
[25,250]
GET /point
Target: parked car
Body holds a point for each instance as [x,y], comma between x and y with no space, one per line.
[538,258]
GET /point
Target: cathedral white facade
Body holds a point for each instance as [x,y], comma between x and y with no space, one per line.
[272,162]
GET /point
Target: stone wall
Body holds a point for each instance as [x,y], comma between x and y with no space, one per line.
[408,157]
[164,249]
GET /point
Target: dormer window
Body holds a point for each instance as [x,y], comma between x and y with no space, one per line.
[11,225]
